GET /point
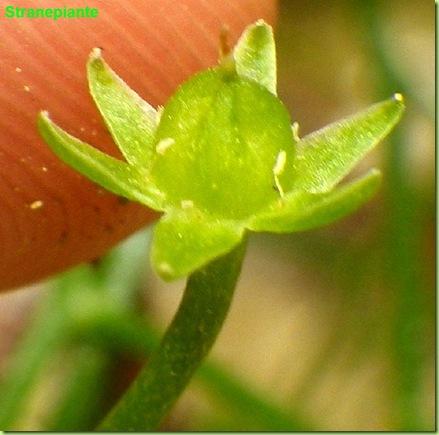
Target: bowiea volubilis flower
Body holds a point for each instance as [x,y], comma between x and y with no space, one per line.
[222,157]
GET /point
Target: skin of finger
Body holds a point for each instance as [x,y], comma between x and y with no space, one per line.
[52,218]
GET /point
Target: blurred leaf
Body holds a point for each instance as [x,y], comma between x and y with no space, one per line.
[84,391]
[131,255]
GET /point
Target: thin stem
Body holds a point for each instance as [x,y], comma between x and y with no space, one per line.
[188,339]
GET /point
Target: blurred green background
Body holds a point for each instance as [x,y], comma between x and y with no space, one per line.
[330,330]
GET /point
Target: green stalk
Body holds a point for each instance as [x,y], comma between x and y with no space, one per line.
[187,341]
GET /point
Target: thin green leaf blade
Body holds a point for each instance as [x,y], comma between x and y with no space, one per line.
[114,175]
[327,155]
[184,241]
[130,120]
[255,55]
[300,211]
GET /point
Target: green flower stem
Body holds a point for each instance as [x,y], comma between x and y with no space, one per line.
[188,339]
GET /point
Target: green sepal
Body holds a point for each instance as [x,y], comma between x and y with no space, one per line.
[131,120]
[300,211]
[114,175]
[185,240]
[255,55]
[324,157]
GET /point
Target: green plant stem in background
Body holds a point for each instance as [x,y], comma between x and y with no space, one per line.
[188,339]
[256,412]
[402,251]
[87,291]
[84,391]
[133,335]
[49,329]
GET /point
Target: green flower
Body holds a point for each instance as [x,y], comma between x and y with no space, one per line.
[221,158]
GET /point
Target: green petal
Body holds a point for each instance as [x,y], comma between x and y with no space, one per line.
[326,156]
[185,241]
[299,211]
[131,120]
[112,174]
[255,55]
